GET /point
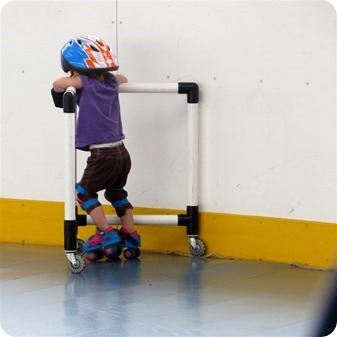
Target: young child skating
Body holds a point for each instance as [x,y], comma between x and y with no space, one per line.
[89,61]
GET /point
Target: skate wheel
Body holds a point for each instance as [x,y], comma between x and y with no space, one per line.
[130,254]
[78,266]
[112,251]
[138,252]
[80,244]
[94,255]
[199,248]
[119,250]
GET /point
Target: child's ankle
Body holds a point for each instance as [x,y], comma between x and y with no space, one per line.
[134,233]
[109,229]
[125,232]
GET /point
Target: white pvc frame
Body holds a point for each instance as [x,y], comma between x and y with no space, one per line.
[70,164]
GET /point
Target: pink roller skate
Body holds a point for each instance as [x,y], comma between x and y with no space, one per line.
[131,241]
[103,243]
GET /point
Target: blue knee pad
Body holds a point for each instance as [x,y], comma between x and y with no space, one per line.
[86,199]
[118,199]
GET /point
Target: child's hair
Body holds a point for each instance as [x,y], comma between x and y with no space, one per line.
[101,76]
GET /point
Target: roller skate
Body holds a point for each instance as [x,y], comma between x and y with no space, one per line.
[111,243]
[131,241]
[103,243]
[92,248]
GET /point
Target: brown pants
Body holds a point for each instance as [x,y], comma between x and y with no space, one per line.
[107,169]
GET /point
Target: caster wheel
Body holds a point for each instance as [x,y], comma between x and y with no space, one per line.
[199,249]
[80,244]
[78,266]
[130,254]
[113,251]
[94,255]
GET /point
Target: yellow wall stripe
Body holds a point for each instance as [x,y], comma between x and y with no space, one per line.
[304,243]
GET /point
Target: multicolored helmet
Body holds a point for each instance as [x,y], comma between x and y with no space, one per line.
[86,54]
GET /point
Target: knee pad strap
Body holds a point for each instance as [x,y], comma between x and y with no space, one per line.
[86,199]
[82,190]
[90,204]
[118,199]
[120,203]
[116,196]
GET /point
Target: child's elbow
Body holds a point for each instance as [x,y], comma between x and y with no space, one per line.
[57,87]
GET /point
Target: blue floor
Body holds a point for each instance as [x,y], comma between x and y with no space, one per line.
[155,295]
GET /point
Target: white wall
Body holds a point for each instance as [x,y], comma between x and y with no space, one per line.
[267,77]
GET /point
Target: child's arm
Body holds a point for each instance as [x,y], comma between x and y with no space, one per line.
[121,79]
[61,84]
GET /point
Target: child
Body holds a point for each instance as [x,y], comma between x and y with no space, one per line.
[99,130]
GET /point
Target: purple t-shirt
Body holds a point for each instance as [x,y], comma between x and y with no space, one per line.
[99,119]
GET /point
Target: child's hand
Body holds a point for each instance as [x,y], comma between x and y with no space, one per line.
[121,79]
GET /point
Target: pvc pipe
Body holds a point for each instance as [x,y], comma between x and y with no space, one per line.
[149,88]
[69,179]
[192,118]
[69,147]
[142,220]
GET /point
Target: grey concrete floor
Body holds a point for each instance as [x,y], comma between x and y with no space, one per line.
[155,295]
